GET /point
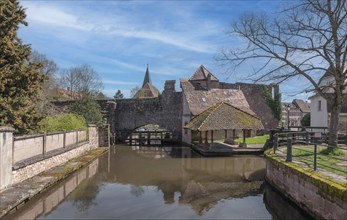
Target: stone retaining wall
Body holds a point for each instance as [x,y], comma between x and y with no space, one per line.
[12,172]
[36,168]
[322,198]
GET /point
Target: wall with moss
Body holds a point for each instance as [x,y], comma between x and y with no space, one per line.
[322,197]
[258,96]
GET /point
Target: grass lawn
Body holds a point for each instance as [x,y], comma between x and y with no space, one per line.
[254,140]
[335,161]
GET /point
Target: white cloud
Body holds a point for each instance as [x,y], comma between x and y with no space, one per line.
[57,17]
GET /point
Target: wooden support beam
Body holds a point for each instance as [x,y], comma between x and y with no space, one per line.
[244,136]
[206,142]
[234,134]
[200,139]
[225,133]
[212,136]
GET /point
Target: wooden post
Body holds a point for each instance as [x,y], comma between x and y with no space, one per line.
[44,142]
[244,135]
[108,136]
[225,133]
[212,136]
[234,134]
[200,139]
[148,138]
[64,139]
[206,142]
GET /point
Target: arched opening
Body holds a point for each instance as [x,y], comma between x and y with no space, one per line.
[149,134]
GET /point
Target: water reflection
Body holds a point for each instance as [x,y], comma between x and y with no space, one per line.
[44,204]
[156,182]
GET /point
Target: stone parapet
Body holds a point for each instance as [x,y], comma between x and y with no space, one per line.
[318,195]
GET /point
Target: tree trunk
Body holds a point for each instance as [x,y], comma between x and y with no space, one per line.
[336,106]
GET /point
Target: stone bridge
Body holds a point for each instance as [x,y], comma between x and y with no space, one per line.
[129,114]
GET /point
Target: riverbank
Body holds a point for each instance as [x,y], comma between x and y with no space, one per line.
[323,196]
[18,194]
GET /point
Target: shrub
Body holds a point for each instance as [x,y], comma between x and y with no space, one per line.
[306,120]
[90,110]
[63,122]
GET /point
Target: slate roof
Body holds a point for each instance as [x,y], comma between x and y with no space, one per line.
[147,78]
[223,116]
[147,91]
[303,106]
[200,100]
[201,74]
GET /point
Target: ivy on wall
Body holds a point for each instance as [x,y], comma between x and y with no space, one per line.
[273,102]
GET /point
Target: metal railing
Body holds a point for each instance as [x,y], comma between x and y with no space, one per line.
[317,160]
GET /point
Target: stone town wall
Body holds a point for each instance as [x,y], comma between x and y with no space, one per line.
[165,111]
[314,196]
[255,97]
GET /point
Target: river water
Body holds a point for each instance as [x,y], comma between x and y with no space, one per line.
[132,182]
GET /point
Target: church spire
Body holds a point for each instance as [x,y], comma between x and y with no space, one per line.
[147,79]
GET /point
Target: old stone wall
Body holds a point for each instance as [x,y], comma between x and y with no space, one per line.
[315,196]
[6,160]
[256,99]
[12,172]
[165,111]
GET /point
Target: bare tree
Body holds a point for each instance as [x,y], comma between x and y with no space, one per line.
[133,91]
[306,40]
[81,81]
[47,67]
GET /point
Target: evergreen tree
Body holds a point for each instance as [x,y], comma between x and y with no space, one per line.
[89,109]
[118,95]
[20,80]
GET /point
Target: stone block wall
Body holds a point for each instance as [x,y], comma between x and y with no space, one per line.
[11,173]
[45,143]
[321,199]
[255,97]
[165,111]
[6,141]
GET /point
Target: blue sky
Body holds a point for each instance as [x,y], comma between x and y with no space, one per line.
[119,38]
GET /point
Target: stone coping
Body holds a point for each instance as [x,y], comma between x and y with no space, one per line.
[18,194]
[327,183]
[6,129]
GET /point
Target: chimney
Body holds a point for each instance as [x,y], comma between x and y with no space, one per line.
[208,82]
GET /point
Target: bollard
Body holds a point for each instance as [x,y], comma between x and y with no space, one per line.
[289,150]
[275,143]
[315,158]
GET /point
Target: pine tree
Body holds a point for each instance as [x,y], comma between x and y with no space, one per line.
[20,80]
[118,95]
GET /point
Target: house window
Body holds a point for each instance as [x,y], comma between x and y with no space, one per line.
[319,105]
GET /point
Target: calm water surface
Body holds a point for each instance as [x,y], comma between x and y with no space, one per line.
[162,183]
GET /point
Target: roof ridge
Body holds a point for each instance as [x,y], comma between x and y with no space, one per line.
[255,116]
[215,106]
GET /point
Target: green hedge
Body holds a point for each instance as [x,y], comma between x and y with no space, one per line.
[63,122]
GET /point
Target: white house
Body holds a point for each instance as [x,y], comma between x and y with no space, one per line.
[320,108]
